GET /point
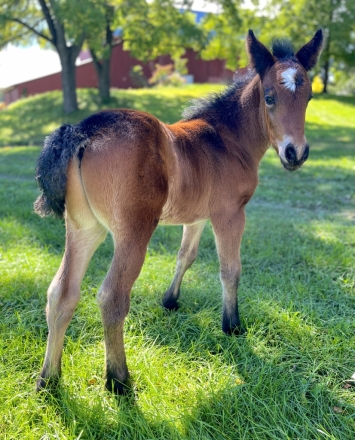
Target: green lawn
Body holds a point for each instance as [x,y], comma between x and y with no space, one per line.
[285,379]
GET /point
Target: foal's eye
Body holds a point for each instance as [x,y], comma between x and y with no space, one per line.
[270,100]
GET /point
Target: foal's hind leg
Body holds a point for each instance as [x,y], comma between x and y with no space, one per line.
[114,296]
[186,256]
[64,292]
[228,229]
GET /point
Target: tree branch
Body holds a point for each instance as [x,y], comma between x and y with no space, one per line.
[76,48]
[12,39]
[95,60]
[108,18]
[49,20]
[32,29]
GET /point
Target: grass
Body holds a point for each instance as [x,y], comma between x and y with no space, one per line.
[286,379]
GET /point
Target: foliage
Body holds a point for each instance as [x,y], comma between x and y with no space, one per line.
[170,74]
[165,75]
[137,76]
[226,34]
[11,29]
[346,85]
[285,379]
[180,65]
[151,29]
[59,23]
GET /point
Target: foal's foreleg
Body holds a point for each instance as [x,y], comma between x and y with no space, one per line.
[228,230]
[186,256]
[64,293]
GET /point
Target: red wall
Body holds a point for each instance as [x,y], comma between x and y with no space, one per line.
[121,63]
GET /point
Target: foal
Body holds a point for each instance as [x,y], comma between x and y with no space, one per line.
[123,171]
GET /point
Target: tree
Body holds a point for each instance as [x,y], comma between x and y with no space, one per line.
[102,57]
[51,21]
[147,29]
[299,19]
[101,21]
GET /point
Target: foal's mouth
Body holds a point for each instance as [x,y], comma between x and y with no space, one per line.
[290,161]
[292,167]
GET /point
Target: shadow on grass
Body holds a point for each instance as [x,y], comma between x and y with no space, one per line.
[128,422]
[335,139]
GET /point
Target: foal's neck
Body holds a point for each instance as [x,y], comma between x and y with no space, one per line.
[238,115]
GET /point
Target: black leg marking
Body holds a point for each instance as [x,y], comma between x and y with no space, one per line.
[232,325]
[113,385]
[51,384]
[169,301]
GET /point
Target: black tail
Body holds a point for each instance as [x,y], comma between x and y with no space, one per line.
[52,165]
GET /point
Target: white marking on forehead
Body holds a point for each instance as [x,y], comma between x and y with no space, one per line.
[289,78]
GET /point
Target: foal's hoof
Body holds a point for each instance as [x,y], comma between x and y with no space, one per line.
[237,330]
[170,299]
[51,384]
[119,388]
[170,304]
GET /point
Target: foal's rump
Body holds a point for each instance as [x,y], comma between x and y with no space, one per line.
[115,159]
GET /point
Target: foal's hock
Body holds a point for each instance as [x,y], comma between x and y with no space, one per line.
[124,171]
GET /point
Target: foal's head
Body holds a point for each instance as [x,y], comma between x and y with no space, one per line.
[286,91]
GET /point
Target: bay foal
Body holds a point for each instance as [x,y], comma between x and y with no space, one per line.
[123,171]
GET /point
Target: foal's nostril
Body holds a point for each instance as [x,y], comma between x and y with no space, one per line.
[305,153]
[290,154]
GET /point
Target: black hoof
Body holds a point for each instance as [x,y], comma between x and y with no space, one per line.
[51,384]
[236,331]
[170,299]
[170,304]
[116,387]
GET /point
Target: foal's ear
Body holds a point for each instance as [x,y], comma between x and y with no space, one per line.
[260,57]
[308,54]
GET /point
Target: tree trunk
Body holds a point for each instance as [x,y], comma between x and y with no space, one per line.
[102,68]
[68,81]
[326,76]
[327,59]
[67,53]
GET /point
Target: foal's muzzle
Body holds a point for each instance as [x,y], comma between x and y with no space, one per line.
[291,162]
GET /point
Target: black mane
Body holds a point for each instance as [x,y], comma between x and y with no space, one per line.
[282,49]
[221,106]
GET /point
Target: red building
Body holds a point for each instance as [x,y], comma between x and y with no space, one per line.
[121,64]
